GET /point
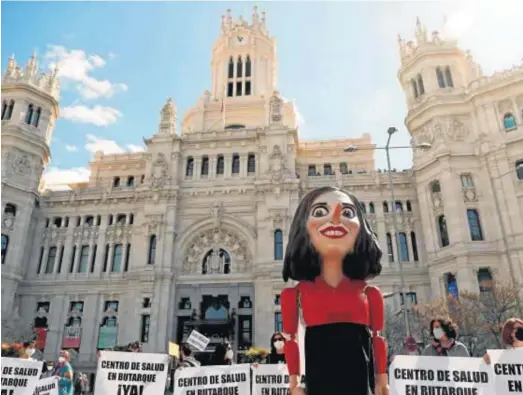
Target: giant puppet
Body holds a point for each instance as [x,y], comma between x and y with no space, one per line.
[331,252]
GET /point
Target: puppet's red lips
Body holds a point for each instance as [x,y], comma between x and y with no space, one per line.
[334,232]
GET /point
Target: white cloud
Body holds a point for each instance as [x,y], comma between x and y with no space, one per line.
[71,148]
[97,115]
[58,179]
[95,144]
[75,66]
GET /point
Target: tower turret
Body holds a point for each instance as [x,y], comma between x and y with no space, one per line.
[168,118]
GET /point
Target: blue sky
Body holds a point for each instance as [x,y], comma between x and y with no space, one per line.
[338,61]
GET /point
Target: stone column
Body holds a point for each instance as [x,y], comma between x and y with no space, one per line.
[125,247]
[197,171]
[89,327]
[58,258]
[45,256]
[243,165]
[263,311]
[227,173]
[76,265]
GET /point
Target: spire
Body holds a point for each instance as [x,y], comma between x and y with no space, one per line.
[11,66]
[168,118]
[255,17]
[31,67]
[421,32]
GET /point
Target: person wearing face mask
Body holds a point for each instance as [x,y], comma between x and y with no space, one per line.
[223,355]
[186,358]
[277,354]
[64,374]
[444,344]
[29,350]
[511,335]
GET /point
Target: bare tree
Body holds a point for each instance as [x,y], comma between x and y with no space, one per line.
[15,329]
[395,331]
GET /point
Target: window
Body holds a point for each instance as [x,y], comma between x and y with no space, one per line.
[390,248]
[120,219]
[414,246]
[127,256]
[116,182]
[435,187]
[29,114]
[7,110]
[99,220]
[421,87]
[414,88]
[451,285]
[239,67]
[230,89]
[73,256]
[111,305]
[146,322]
[93,258]
[519,169]
[404,247]
[84,259]
[343,168]
[248,67]
[251,164]
[398,206]
[371,208]
[190,167]
[220,165]
[36,117]
[385,207]
[484,280]
[5,244]
[448,77]
[235,126]
[117,258]
[245,329]
[10,209]
[467,181]
[409,206]
[236,164]
[278,322]
[89,220]
[230,72]
[312,170]
[509,121]
[205,166]
[106,257]
[443,231]
[51,257]
[278,245]
[60,259]
[327,169]
[412,299]
[247,88]
[130,181]
[152,250]
[40,260]
[476,234]
[440,77]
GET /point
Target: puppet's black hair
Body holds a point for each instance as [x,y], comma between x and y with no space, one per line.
[302,261]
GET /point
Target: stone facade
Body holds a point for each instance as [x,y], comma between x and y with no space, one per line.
[204,212]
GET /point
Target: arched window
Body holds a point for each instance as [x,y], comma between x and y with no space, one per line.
[443,231]
[278,245]
[239,67]
[190,167]
[51,258]
[343,168]
[10,209]
[29,114]
[448,77]
[251,163]
[205,166]
[10,109]
[421,87]
[509,121]
[216,261]
[220,165]
[5,245]
[7,109]
[390,249]
[519,169]
[327,169]
[414,88]
[414,243]
[74,321]
[371,208]
[435,186]
[235,164]
[5,106]
[399,206]
[451,283]
[116,182]
[130,181]
[409,206]
[476,233]
[117,258]
[152,250]
[230,73]
[36,117]
[440,77]
[385,207]
[84,259]
[404,247]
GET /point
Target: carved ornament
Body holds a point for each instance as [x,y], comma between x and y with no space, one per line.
[276,109]
[159,174]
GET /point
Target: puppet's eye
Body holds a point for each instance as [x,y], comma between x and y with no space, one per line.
[319,211]
[348,212]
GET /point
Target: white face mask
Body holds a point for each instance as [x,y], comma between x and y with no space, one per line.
[30,351]
[229,354]
[438,333]
[278,344]
[61,359]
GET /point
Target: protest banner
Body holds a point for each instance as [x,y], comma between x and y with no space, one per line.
[20,376]
[412,375]
[271,380]
[198,341]
[131,373]
[507,371]
[213,380]
[48,386]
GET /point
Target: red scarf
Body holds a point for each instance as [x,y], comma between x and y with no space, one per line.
[443,348]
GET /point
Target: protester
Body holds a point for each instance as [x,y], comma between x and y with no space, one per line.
[277,354]
[186,358]
[444,344]
[223,355]
[29,350]
[511,335]
[64,374]
[78,385]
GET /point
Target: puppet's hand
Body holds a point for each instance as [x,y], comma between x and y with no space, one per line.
[382,385]
[297,391]
[295,388]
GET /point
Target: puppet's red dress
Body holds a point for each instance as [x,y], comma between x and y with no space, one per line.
[343,351]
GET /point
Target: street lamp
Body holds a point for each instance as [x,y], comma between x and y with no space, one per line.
[390,131]
[504,232]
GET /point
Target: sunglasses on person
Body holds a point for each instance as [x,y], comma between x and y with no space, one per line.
[278,339]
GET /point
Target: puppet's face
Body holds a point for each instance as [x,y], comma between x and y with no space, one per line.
[333,224]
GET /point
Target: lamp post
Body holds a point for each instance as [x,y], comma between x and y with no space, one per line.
[504,232]
[390,131]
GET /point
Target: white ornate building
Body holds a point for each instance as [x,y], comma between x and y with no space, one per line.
[191,232]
